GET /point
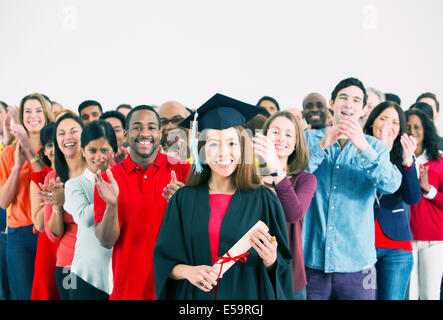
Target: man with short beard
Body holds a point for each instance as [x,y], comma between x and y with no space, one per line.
[314,110]
[129,207]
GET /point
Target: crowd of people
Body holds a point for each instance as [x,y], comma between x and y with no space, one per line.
[154,202]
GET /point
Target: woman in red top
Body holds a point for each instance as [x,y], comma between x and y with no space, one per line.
[427,215]
[43,286]
[393,238]
[221,202]
[59,224]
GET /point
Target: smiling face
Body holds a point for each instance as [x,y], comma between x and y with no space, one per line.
[389,120]
[282,133]
[314,111]
[223,151]
[171,114]
[33,116]
[98,154]
[68,135]
[347,104]
[90,113]
[415,128]
[118,129]
[143,136]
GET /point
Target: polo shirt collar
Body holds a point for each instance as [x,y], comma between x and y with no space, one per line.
[130,166]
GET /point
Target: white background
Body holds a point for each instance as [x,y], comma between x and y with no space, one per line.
[147,52]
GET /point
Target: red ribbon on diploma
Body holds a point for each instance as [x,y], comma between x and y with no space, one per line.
[228,258]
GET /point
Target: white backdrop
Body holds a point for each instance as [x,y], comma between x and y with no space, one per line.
[147,52]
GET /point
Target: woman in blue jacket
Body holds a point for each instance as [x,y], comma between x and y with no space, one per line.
[391,212]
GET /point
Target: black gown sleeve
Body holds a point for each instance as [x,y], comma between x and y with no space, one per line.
[169,250]
[279,277]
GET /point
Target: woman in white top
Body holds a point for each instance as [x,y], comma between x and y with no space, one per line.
[91,263]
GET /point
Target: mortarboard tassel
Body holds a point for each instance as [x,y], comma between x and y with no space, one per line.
[194,146]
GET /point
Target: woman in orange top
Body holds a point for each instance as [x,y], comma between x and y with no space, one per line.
[17,163]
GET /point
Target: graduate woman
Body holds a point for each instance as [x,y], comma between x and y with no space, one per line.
[221,201]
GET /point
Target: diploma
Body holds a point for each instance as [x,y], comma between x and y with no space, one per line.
[238,252]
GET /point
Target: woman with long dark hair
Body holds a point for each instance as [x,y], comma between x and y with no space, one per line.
[91,263]
[427,215]
[59,224]
[43,286]
[393,238]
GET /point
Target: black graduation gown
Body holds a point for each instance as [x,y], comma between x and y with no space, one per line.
[184,239]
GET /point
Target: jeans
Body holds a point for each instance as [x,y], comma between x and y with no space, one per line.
[300,294]
[341,286]
[21,247]
[394,268]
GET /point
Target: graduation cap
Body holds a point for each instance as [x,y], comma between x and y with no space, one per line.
[219,112]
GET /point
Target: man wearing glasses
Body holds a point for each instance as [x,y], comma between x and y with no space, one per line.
[174,139]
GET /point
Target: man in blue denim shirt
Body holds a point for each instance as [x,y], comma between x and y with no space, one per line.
[338,230]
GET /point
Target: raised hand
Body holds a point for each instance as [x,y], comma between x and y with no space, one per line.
[52,193]
[423,178]
[330,137]
[409,144]
[108,191]
[19,132]
[265,148]
[351,129]
[386,136]
[172,187]
[19,156]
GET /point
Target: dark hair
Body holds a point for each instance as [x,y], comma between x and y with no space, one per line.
[114,114]
[99,129]
[430,135]
[244,178]
[138,108]
[426,108]
[88,103]
[60,165]
[124,106]
[432,96]
[393,97]
[256,123]
[349,82]
[5,106]
[396,153]
[46,136]
[268,98]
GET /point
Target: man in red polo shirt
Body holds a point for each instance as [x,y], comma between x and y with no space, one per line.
[129,206]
